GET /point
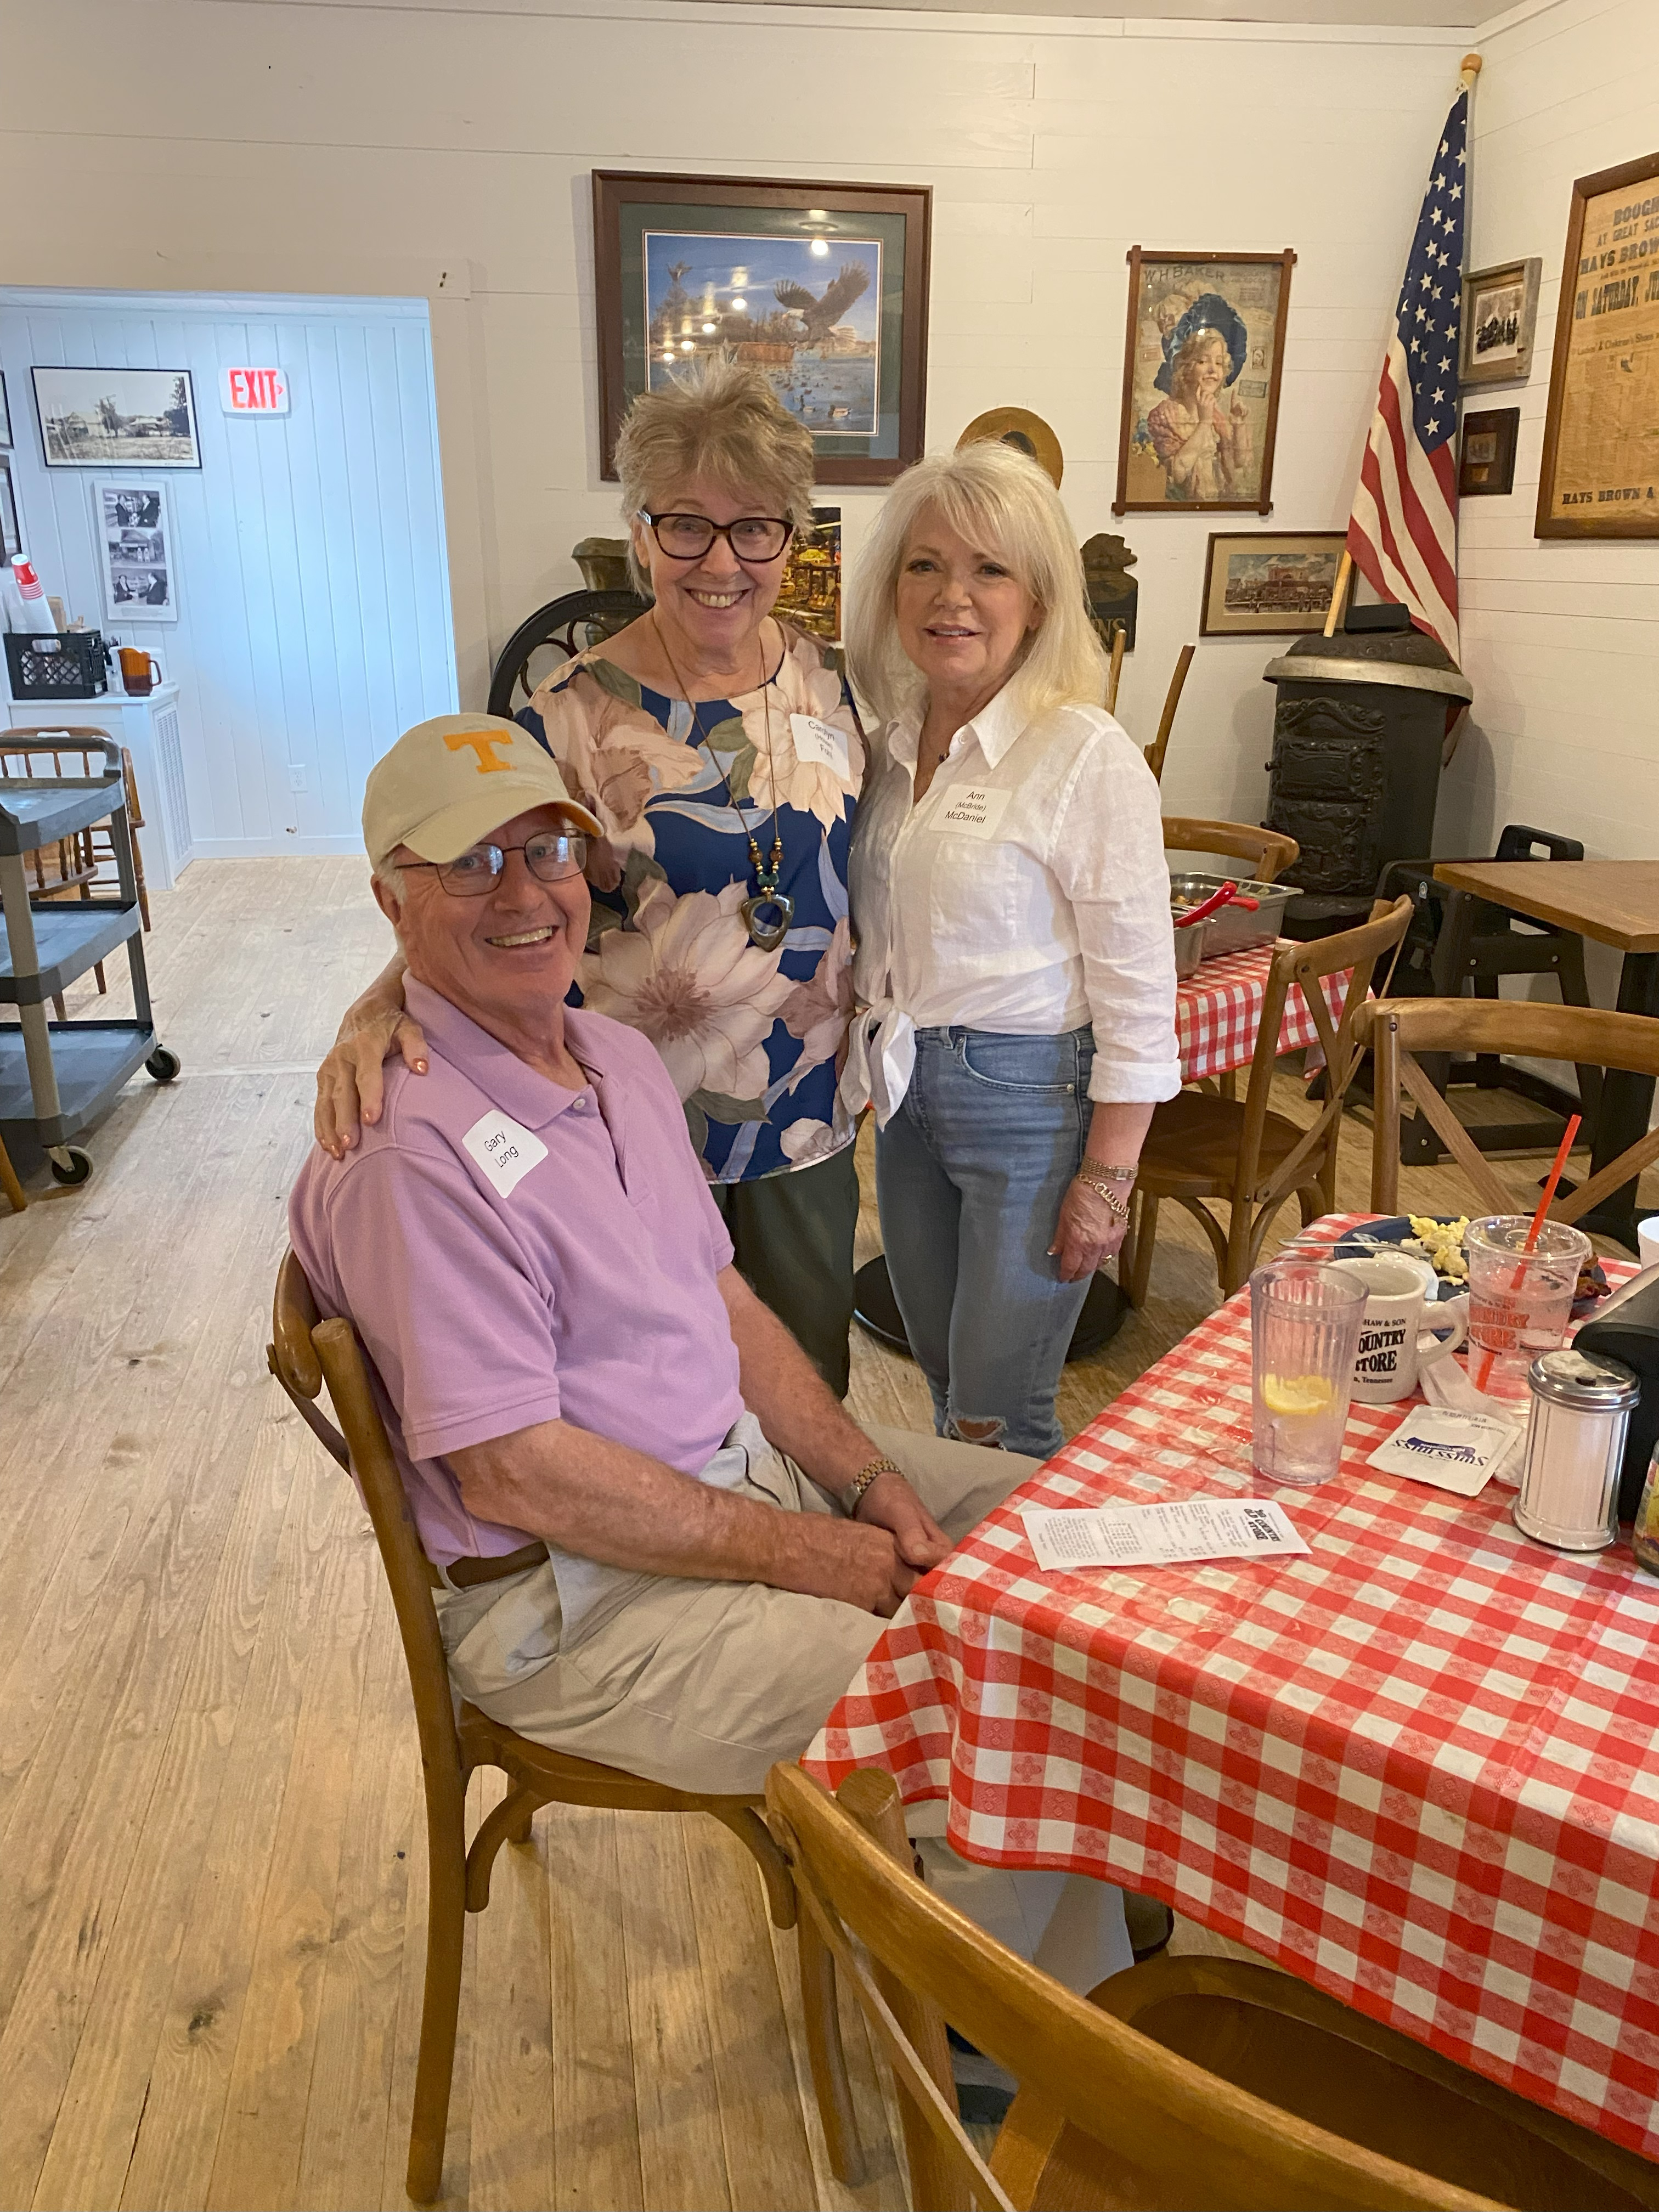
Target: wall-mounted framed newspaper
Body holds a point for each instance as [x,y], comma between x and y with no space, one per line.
[1600,473]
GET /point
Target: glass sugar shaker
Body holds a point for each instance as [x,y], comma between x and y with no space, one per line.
[1580,1408]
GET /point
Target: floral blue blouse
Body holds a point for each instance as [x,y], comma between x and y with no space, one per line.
[755,1041]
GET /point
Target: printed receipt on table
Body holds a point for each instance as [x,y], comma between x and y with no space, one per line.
[1156,1535]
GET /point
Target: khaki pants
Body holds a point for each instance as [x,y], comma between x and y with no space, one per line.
[704,1685]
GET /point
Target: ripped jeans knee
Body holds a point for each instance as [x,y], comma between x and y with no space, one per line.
[963,1429]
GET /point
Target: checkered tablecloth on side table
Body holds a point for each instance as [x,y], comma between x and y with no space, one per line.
[1218,1012]
[1419,1767]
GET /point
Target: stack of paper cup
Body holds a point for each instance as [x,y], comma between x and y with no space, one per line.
[1647,1240]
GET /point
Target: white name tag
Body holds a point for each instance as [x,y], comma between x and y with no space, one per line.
[504,1151]
[973,812]
[822,743]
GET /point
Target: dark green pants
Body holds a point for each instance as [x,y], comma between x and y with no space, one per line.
[793,1235]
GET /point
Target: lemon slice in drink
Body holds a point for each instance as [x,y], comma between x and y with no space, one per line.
[1296,1394]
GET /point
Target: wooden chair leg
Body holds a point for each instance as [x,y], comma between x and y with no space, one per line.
[9,1184]
[57,1005]
[751,1830]
[509,1823]
[435,2067]
[98,971]
[822,2015]
[1146,1237]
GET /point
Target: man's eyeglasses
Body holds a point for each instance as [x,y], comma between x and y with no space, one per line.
[551,859]
[689,537]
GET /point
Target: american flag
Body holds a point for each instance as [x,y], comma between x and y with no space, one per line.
[1402,533]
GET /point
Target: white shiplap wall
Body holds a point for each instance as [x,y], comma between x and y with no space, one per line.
[446,150]
[315,616]
[1560,639]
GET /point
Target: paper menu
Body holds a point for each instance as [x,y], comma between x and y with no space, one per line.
[1156,1535]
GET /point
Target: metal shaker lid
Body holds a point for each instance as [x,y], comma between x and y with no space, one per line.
[1582,1379]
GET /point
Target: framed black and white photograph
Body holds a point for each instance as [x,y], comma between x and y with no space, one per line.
[105,418]
[135,550]
[11,537]
[5,414]
[1500,312]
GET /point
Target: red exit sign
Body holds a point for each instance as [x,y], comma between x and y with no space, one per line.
[253,390]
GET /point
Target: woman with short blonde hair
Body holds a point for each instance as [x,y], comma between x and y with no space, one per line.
[1015,968]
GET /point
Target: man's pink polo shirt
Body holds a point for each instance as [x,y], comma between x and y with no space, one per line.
[512,1253]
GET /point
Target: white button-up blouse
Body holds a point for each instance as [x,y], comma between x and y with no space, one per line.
[1027,894]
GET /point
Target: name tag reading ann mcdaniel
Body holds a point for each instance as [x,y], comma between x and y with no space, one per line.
[822,743]
[971,811]
[504,1151]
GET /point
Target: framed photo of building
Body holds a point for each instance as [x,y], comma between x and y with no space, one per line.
[105,418]
[1600,472]
[1263,585]
[1485,464]
[1500,309]
[11,537]
[1203,355]
[822,287]
[137,552]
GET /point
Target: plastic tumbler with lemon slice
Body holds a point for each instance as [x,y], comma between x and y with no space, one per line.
[1304,1333]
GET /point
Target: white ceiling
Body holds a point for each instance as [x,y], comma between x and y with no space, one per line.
[1404,14]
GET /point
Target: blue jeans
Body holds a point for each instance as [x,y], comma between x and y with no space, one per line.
[969,1174]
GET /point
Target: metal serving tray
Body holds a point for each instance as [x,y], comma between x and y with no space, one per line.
[1234,928]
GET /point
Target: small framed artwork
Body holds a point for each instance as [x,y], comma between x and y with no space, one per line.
[1203,355]
[11,537]
[5,413]
[1486,466]
[822,287]
[1257,585]
[137,552]
[1500,309]
[104,418]
[1600,472]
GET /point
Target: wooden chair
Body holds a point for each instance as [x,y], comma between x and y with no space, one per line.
[1184,2081]
[303,1354]
[9,1182]
[1397,1029]
[1201,1147]
[1160,743]
[1266,852]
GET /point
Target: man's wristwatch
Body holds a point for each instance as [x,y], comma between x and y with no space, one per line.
[853,1497]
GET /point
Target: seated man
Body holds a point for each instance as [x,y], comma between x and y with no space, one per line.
[664,1545]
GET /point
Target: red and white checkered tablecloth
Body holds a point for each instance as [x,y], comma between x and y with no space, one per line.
[1419,1767]
[1218,1012]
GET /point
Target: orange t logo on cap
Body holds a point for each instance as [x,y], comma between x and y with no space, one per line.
[482,742]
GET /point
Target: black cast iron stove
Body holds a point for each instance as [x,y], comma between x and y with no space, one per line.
[1359,738]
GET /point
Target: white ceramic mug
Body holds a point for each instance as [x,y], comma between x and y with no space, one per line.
[1397,1288]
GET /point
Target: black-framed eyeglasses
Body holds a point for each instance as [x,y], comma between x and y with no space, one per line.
[689,537]
[552,858]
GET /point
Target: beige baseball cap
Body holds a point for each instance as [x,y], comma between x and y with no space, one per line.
[448,782]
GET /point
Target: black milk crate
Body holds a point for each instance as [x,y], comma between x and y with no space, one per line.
[70,665]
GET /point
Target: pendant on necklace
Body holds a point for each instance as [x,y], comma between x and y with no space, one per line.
[767,917]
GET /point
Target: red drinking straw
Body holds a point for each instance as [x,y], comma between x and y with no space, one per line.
[1544,1203]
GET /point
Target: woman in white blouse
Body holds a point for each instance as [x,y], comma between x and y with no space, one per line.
[1015,964]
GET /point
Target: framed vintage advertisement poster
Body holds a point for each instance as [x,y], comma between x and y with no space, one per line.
[1202,357]
[102,418]
[1600,475]
[1485,465]
[824,287]
[137,552]
[1261,585]
[1500,310]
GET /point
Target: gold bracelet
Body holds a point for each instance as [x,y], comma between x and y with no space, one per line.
[1105,1168]
[1118,1207]
[853,1497]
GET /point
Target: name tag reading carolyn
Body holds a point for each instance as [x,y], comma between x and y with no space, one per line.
[1158,1536]
[822,743]
[973,812]
[504,1151]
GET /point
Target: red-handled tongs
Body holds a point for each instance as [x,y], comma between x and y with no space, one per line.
[1228,894]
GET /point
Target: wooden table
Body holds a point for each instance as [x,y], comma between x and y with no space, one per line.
[1617,903]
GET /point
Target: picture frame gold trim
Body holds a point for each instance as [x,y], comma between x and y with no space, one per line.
[1307,618]
[1140,262]
[1625,504]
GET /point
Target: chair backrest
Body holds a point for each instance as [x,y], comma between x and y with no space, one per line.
[1397,1029]
[304,1353]
[559,631]
[1355,951]
[1267,852]
[1160,743]
[1157,2118]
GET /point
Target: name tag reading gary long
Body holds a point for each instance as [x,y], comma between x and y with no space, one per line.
[1156,1535]
[504,1151]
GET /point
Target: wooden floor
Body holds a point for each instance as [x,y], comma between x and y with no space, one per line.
[212,1899]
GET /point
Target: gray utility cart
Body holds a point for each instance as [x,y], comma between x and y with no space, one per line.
[58,1077]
